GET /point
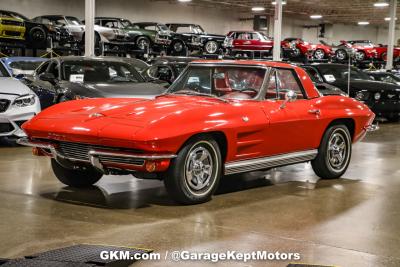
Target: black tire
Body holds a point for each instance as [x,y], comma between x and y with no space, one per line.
[75,178]
[178,48]
[177,181]
[211,47]
[319,54]
[327,164]
[143,43]
[341,54]
[37,37]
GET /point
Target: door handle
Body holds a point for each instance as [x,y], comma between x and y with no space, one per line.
[315,111]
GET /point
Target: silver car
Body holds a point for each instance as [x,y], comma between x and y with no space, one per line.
[77,28]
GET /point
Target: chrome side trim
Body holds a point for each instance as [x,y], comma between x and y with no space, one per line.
[269,162]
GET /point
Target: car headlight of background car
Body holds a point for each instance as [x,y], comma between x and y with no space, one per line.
[362,96]
[377,96]
[24,101]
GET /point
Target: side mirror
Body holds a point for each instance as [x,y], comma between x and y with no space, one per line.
[290,96]
[47,77]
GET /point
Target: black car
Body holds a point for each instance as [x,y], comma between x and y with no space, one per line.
[384,76]
[167,68]
[383,98]
[70,78]
[36,33]
[193,37]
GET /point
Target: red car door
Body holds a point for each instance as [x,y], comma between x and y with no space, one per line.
[294,126]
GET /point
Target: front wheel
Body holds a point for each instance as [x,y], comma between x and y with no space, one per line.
[341,54]
[360,56]
[319,54]
[194,175]
[334,153]
[75,178]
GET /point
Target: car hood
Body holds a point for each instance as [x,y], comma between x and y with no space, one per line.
[13,86]
[372,86]
[115,90]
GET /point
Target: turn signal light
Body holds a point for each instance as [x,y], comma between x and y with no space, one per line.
[37,152]
[150,166]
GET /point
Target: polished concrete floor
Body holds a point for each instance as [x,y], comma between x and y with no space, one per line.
[354,221]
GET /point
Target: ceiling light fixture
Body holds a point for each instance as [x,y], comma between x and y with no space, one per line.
[184,1]
[388,19]
[381,4]
[258,8]
[363,23]
[316,16]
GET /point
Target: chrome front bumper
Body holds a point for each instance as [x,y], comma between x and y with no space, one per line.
[372,128]
[95,155]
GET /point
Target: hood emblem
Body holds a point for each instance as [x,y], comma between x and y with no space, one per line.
[245,119]
[96,115]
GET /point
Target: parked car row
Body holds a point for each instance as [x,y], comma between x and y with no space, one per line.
[46,82]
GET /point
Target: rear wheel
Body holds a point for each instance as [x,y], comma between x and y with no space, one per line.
[194,175]
[38,37]
[143,43]
[360,55]
[75,178]
[334,153]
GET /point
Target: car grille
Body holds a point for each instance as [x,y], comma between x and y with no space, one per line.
[4,104]
[11,33]
[80,151]
[6,127]
[12,22]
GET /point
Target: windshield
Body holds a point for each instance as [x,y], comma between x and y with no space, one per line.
[387,78]
[125,23]
[331,73]
[225,81]
[3,71]
[100,72]
[197,29]
[162,27]
[73,21]
[12,15]
[25,65]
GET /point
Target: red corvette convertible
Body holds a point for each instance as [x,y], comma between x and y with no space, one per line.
[218,118]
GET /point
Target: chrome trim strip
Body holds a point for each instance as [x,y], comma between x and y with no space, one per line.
[269,162]
[128,155]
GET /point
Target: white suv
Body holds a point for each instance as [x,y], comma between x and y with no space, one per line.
[18,103]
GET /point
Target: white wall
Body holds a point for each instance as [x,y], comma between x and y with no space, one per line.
[213,20]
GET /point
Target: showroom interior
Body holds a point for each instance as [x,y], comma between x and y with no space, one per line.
[200,132]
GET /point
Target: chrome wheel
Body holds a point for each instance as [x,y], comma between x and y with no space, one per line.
[360,56]
[319,54]
[211,47]
[201,168]
[296,52]
[337,153]
[341,55]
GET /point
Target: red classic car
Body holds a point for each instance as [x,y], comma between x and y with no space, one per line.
[364,50]
[248,41]
[218,118]
[302,48]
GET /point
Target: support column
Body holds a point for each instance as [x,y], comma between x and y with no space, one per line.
[392,32]
[89,27]
[277,31]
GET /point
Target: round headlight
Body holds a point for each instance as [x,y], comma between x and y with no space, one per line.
[360,96]
[377,96]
